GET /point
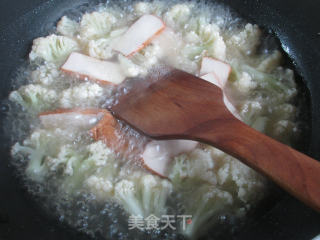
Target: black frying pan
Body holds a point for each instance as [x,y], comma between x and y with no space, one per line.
[297,25]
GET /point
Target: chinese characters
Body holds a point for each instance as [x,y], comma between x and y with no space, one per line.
[153,222]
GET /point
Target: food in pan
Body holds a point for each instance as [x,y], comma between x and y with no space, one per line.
[106,179]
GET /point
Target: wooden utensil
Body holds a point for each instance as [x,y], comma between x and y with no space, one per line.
[176,105]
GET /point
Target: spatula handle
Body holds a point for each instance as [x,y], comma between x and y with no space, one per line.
[294,171]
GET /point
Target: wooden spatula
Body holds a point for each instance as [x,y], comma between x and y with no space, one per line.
[173,104]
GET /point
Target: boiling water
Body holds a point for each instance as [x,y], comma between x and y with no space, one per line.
[82,210]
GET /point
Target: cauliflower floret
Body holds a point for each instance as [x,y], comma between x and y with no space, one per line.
[203,205]
[218,48]
[178,15]
[147,57]
[100,48]
[245,83]
[100,154]
[40,146]
[45,74]
[67,157]
[286,78]
[237,177]
[197,165]
[143,195]
[142,8]
[271,62]
[247,40]
[34,97]
[96,25]
[204,39]
[67,27]
[84,95]
[129,68]
[192,37]
[250,110]
[94,164]
[101,187]
[53,48]
[35,170]
[210,36]
[103,48]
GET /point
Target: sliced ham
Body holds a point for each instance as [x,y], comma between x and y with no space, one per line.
[221,69]
[139,35]
[103,72]
[158,154]
[155,156]
[71,118]
[211,77]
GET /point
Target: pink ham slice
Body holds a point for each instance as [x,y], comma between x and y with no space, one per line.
[158,154]
[220,69]
[71,118]
[103,72]
[139,35]
[211,77]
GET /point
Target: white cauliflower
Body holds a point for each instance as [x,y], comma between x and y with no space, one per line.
[218,48]
[196,165]
[236,177]
[129,68]
[250,110]
[204,38]
[143,195]
[53,48]
[66,160]
[99,156]
[103,47]
[96,25]
[210,36]
[101,187]
[203,204]
[192,37]
[286,79]
[142,8]
[206,180]
[247,40]
[245,83]
[177,15]
[92,166]
[100,48]
[45,74]
[37,148]
[271,62]
[67,27]
[34,97]
[84,95]
[194,176]
[147,57]
[94,162]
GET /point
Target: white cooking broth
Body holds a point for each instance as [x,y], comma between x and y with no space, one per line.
[66,195]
